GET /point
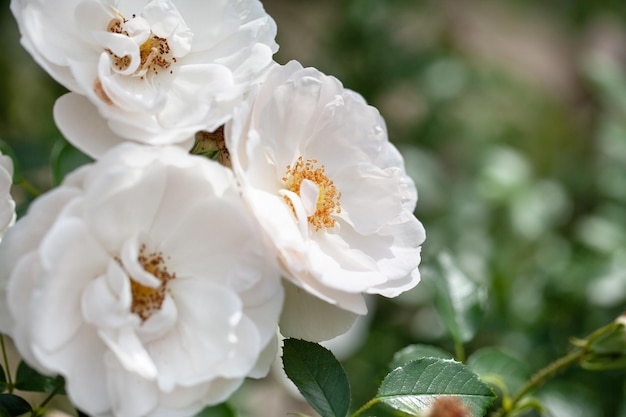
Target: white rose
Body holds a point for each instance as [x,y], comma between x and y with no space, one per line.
[154,71]
[144,281]
[332,194]
[7,204]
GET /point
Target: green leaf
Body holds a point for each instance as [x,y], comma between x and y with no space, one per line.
[13,405]
[412,388]
[607,351]
[3,380]
[460,301]
[500,367]
[28,379]
[65,158]
[220,410]
[318,376]
[414,352]
[604,362]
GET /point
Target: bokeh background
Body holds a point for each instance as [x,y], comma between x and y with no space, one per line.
[511,116]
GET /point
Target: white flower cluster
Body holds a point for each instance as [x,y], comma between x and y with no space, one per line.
[155,280]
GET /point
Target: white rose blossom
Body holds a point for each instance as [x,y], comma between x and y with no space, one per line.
[7,204]
[152,71]
[144,281]
[331,191]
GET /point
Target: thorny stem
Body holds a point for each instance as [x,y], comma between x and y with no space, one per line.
[6,364]
[601,332]
[548,372]
[559,365]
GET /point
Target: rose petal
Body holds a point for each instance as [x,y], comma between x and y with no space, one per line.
[82,125]
[307,317]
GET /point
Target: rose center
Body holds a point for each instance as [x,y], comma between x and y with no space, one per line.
[328,198]
[148,300]
[155,53]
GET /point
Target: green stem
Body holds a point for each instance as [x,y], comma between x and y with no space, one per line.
[531,404]
[559,365]
[6,364]
[601,332]
[365,407]
[459,351]
[548,372]
[29,188]
[36,412]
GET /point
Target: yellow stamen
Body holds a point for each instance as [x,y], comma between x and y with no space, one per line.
[328,200]
[154,53]
[148,300]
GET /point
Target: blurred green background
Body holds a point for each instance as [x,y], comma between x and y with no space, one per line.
[511,116]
